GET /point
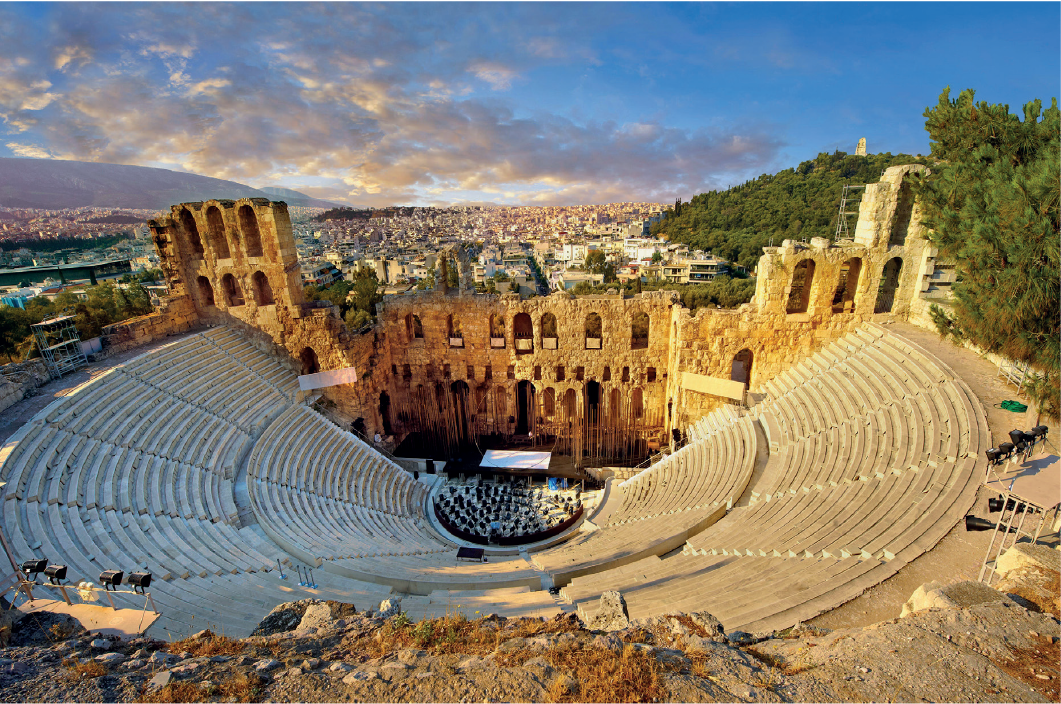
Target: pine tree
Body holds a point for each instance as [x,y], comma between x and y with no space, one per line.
[991,204]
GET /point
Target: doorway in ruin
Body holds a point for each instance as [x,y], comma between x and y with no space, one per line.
[385,413]
[889,283]
[593,402]
[742,367]
[524,407]
[459,392]
[206,291]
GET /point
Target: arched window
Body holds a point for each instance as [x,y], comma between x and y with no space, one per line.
[847,285]
[802,280]
[523,332]
[248,225]
[637,403]
[550,333]
[570,403]
[230,288]
[454,331]
[549,402]
[192,231]
[497,330]
[413,328]
[594,332]
[215,224]
[206,291]
[742,367]
[904,209]
[639,331]
[308,357]
[889,283]
[263,292]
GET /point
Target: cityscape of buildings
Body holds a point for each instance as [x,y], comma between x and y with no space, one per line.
[400,245]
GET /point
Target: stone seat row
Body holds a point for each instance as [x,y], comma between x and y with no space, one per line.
[235,344]
[668,502]
[835,511]
[510,603]
[302,450]
[713,469]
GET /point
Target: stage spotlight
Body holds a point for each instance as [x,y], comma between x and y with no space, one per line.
[55,573]
[994,455]
[31,568]
[1017,438]
[140,580]
[1040,431]
[1006,449]
[111,578]
[995,505]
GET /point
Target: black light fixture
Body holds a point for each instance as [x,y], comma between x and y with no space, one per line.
[140,580]
[1040,431]
[1006,449]
[55,573]
[32,568]
[111,578]
[1017,438]
[994,455]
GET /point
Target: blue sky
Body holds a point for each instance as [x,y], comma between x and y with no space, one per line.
[554,103]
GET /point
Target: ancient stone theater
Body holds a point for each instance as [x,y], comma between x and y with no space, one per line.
[766,464]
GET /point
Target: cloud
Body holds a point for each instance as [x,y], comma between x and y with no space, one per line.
[359,103]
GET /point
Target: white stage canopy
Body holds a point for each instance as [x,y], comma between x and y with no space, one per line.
[334,377]
[516,459]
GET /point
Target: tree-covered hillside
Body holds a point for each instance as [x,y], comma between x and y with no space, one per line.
[793,204]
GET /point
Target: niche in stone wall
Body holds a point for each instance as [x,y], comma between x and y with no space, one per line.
[414,329]
[231,290]
[215,225]
[454,331]
[192,232]
[802,281]
[497,331]
[248,225]
[741,369]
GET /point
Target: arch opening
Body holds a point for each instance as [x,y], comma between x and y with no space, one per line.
[741,369]
[525,408]
[385,413]
[523,333]
[639,331]
[413,327]
[192,232]
[248,225]
[454,330]
[847,286]
[594,331]
[206,291]
[310,364]
[497,331]
[263,292]
[889,283]
[903,213]
[802,281]
[550,333]
[215,225]
[231,290]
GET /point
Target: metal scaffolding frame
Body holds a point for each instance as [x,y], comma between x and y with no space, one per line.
[842,231]
[60,345]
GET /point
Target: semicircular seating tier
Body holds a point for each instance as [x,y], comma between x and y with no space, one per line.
[328,498]
[874,446]
[657,510]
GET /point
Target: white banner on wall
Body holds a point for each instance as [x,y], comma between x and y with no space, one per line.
[333,377]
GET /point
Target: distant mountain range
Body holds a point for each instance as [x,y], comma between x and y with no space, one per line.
[54,184]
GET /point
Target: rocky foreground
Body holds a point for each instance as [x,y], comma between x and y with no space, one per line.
[962,642]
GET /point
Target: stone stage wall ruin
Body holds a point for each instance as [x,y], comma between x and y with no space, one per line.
[598,378]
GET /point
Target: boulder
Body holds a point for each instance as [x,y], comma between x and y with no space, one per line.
[711,626]
[284,617]
[317,616]
[612,614]
[1028,555]
[951,596]
[390,607]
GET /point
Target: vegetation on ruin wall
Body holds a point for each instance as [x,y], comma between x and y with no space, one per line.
[105,304]
[356,298]
[992,206]
[792,204]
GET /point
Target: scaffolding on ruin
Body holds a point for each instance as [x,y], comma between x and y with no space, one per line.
[842,230]
[60,345]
